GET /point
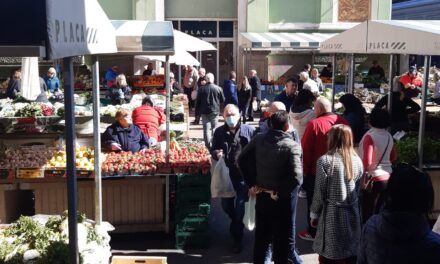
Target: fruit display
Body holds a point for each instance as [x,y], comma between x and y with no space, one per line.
[190,156]
[84,158]
[148,81]
[367,96]
[126,163]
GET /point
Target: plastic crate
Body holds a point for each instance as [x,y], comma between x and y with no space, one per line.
[185,240]
[192,209]
[29,173]
[193,195]
[193,224]
[193,180]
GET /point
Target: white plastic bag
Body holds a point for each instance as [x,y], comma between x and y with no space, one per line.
[436,227]
[221,185]
[249,213]
[255,105]
[194,95]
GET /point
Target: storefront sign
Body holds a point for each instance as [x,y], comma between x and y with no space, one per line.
[77,28]
[387,45]
[200,29]
[336,46]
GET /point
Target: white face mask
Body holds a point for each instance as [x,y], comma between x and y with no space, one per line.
[232,121]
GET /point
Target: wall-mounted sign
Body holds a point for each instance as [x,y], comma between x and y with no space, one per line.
[200,29]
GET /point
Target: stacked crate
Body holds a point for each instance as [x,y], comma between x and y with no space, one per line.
[193,199]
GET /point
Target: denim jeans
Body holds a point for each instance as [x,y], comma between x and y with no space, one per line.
[309,187]
[210,122]
[292,255]
[234,208]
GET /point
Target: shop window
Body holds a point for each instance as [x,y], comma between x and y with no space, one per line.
[226,29]
[200,29]
[209,62]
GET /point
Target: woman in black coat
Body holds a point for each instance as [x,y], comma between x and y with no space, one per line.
[123,135]
[244,94]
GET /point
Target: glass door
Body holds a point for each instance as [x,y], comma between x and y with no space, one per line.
[209,61]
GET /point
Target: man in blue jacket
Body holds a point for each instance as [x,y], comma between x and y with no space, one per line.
[230,89]
[228,141]
[288,95]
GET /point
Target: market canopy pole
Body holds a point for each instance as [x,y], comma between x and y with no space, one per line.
[167,177]
[333,81]
[423,111]
[97,141]
[390,84]
[70,160]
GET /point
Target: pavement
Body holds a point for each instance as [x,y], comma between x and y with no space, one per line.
[219,251]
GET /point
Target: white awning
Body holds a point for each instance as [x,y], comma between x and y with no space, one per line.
[180,57]
[421,37]
[269,40]
[78,27]
[189,43]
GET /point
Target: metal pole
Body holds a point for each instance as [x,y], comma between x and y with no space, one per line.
[423,112]
[351,79]
[70,160]
[390,84]
[167,181]
[97,141]
[333,82]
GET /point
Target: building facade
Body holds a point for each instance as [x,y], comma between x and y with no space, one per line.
[223,22]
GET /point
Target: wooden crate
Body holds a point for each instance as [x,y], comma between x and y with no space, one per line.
[138,260]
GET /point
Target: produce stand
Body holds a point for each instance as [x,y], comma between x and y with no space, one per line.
[396,37]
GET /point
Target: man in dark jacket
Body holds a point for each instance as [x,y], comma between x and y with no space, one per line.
[208,102]
[288,95]
[276,159]
[254,82]
[230,89]
[228,141]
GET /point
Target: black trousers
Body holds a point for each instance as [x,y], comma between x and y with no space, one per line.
[373,200]
[191,102]
[274,225]
[309,187]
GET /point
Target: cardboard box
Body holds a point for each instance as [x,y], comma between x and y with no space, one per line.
[138,260]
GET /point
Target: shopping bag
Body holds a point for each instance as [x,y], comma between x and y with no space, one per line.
[221,184]
[249,213]
[255,105]
[436,227]
[194,95]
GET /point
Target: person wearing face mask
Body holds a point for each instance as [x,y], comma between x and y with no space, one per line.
[228,141]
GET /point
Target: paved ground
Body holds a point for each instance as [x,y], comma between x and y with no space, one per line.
[219,250]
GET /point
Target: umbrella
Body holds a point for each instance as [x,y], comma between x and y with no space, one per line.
[190,43]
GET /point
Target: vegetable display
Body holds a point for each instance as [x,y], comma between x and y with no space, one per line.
[45,239]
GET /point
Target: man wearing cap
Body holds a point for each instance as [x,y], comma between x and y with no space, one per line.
[411,81]
[52,81]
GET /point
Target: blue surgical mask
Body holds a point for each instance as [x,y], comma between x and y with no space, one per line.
[232,121]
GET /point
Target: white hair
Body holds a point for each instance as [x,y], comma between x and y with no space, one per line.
[304,75]
[254,72]
[52,70]
[324,104]
[210,77]
[277,106]
[231,108]
[202,70]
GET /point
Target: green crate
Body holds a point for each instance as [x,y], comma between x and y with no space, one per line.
[193,180]
[193,224]
[192,209]
[193,195]
[185,240]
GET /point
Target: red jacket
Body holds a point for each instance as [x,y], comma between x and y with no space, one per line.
[314,140]
[149,119]
[407,79]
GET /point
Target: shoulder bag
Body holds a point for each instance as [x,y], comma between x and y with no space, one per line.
[367,178]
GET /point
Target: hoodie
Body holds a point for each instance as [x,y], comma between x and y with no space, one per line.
[398,237]
[299,119]
[276,159]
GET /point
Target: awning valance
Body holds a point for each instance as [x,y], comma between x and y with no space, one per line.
[269,40]
[420,37]
[144,37]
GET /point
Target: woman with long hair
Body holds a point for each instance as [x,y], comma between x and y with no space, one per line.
[244,93]
[120,92]
[335,210]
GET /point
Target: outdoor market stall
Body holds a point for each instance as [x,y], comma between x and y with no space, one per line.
[397,37]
